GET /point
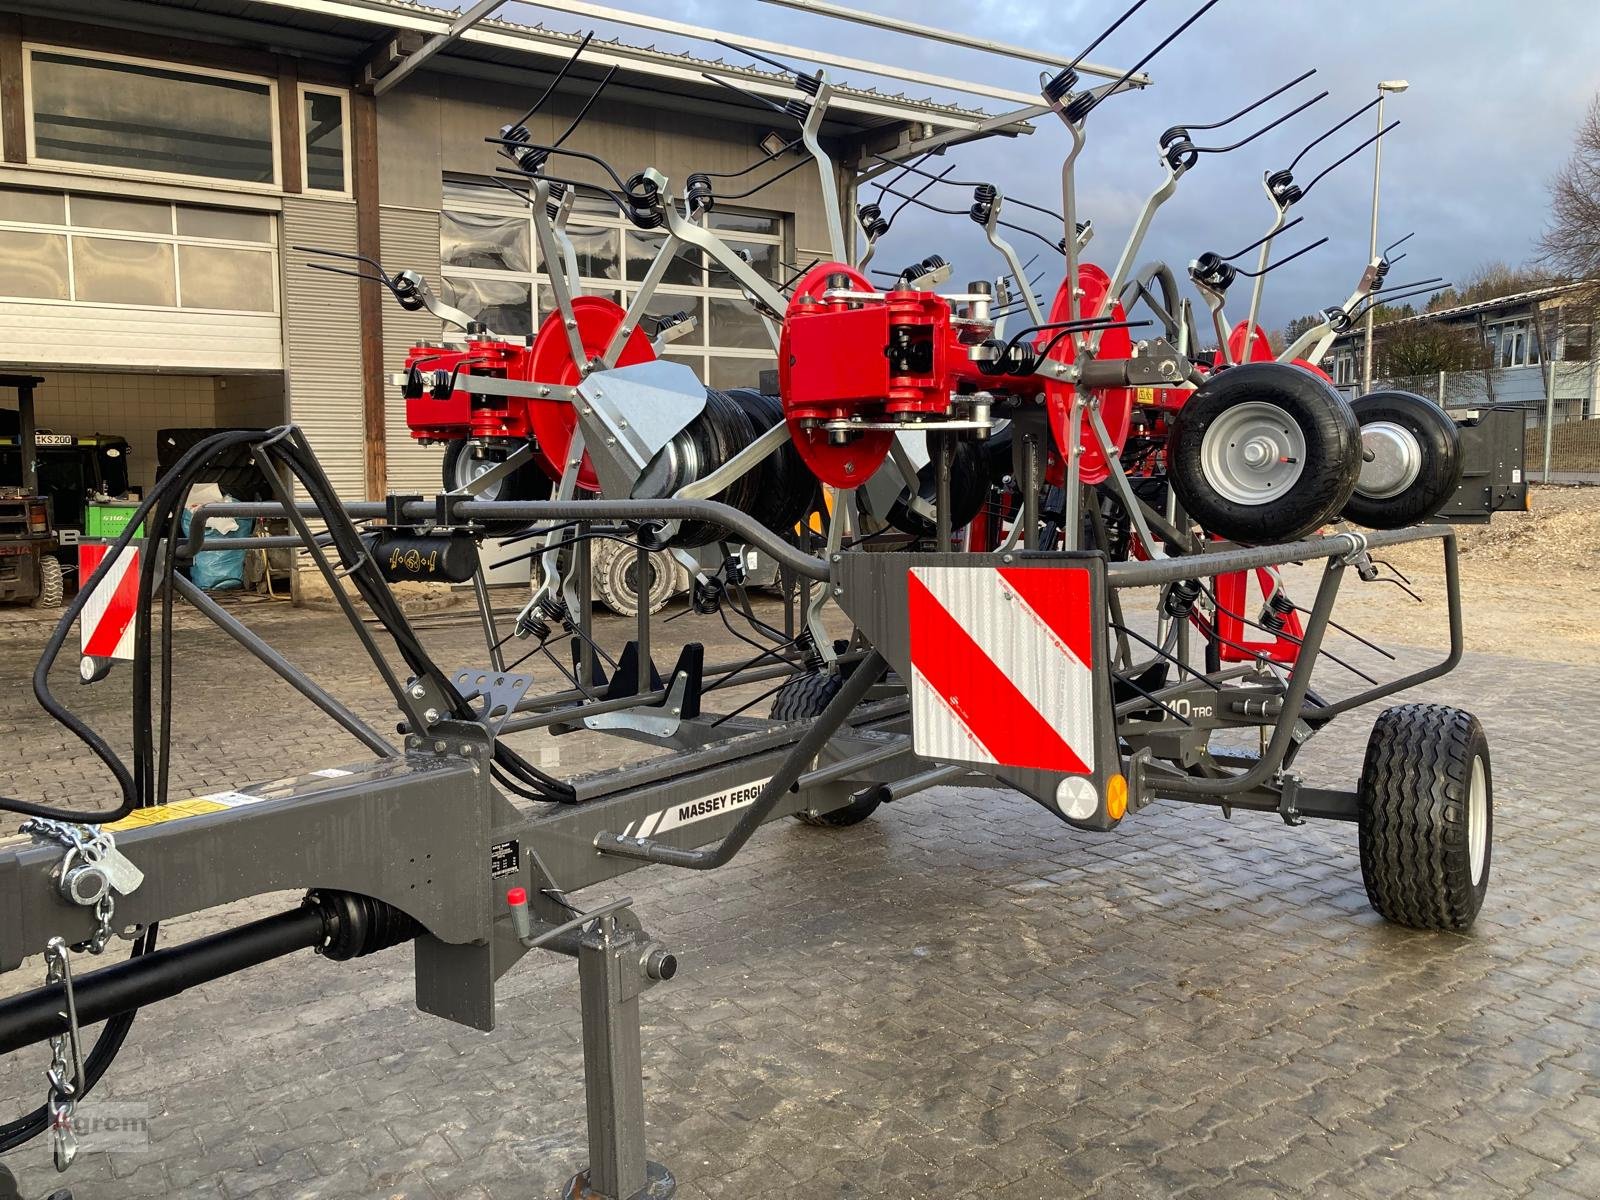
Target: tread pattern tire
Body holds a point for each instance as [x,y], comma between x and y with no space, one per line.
[52,587]
[1439,442]
[613,565]
[1413,815]
[801,699]
[1333,453]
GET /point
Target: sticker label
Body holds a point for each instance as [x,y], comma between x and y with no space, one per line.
[505,858]
[691,811]
[199,806]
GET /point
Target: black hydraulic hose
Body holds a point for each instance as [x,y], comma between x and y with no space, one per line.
[34,1016]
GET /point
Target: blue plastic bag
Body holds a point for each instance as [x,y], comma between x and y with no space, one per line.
[219,570]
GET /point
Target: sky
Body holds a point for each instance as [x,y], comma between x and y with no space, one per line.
[1496,92]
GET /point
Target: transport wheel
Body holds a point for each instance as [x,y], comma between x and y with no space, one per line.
[798,700]
[1410,460]
[527,482]
[616,578]
[52,587]
[1264,452]
[1426,816]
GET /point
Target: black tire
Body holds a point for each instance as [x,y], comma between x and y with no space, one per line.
[614,568]
[1426,816]
[1295,407]
[527,482]
[970,482]
[1394,489]
[52,586]
[801,699]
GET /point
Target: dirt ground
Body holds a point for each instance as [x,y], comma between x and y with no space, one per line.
[1530,583]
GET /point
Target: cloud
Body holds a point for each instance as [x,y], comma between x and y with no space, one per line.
[1495,92]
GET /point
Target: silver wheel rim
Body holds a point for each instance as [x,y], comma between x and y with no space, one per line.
[1391,460]
[1478,821]
[469,469]
[1254,453]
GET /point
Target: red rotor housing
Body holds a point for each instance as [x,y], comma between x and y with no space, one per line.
[548,423]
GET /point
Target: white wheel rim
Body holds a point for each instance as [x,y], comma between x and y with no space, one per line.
[1478,821]
[1391,460]
[469,469]
[1254,453]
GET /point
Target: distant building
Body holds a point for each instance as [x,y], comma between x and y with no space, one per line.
[1531,338]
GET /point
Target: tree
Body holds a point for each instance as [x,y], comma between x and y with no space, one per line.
[1491,281]
[1299,325]
[1427,347]
[1571,241]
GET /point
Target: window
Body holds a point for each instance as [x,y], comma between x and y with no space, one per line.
[492,271]
[141,116]
[90,249]
[325,141]
[1513,343]
[1575,342]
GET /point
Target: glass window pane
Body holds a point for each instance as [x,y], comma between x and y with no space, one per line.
[136,216]
[684,268]
[695,362]
[739,372]
[547,298]
[734,323]
[36,208]
[323,120]
[106,271]
[225,224]
[597,252]
[150,118]
[739,222]
[501,304]
[217,277]
[763,256]
[664,304]
[36,265]
[469,239]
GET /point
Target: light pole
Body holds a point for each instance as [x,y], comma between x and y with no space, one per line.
[1384,88]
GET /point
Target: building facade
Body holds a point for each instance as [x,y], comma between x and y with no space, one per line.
[1534,350]
[167,171]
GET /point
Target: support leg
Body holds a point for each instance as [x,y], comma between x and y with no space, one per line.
[612,971]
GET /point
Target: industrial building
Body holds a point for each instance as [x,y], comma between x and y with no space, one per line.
[164,162]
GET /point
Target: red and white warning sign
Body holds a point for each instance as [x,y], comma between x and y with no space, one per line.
[106,623]
[1002,663]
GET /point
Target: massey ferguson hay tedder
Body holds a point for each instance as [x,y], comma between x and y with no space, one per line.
[1076,457]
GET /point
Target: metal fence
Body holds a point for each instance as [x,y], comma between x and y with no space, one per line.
[1560,400]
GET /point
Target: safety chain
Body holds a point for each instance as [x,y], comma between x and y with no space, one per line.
[92,871]
[66,1059]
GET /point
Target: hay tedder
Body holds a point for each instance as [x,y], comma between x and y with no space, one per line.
[1057,600]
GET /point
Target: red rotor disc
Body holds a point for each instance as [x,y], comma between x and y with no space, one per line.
[854,463]
[1261,351]
[554,421]
[1116,404]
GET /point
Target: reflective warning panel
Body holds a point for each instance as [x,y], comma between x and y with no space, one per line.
[1002,666]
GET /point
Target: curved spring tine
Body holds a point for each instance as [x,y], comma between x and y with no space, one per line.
[1368,107]
[1280,262]
[1337,163]
[1159,47]
[556,82]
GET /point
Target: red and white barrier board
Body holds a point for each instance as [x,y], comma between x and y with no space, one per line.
[1001,663]
[105,627]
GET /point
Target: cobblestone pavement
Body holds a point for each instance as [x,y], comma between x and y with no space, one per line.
[960,997]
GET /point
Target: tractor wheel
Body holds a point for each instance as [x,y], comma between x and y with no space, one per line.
[615,570]
[1410,460]
[52,587]
[527,482]
[801,699]
[1426,816]
[1264,452]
